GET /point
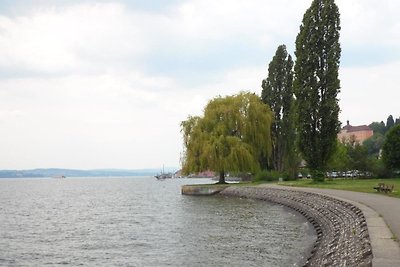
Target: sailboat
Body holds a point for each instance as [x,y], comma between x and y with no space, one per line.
[163,175]
[59,177]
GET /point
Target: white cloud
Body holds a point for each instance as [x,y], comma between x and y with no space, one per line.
[258,20]
[98,37]
[79,85]
[129,117]
[73,38]
[107,117]
[369,93]
[370,22]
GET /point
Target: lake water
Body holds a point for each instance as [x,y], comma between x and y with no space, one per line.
[142,222]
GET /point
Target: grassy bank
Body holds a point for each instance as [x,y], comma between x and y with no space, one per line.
[358,185]
[246,183]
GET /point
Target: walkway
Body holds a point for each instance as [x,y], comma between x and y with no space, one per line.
[377,209]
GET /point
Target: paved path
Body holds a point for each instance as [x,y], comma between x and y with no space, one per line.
[377,209]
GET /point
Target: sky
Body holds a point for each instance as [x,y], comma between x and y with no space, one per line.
[105,84]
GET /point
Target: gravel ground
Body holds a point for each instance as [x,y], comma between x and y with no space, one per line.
[342,232]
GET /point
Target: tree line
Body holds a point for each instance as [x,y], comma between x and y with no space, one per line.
[296,117]
[379,155]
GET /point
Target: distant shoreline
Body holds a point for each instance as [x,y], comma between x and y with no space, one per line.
[55,172]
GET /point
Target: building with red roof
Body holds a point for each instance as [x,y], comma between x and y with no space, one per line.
[357,133]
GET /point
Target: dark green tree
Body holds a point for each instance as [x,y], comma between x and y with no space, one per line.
[277,92]
[378,127]
[358,157]
[340,159]
[316,84]
[374,144]
[391,149]
[233,134]
[389,123]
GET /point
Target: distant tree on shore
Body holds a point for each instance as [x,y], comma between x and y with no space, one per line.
[391,149]
[277,92]
[231,136]
[374,144]
[317,84]
[378,127]
[358,157]
[340,159]
[389,123]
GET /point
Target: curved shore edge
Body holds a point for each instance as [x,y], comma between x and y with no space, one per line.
[202,190]
[342,232]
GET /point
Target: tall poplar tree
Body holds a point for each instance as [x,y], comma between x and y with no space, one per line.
[389,123]
[277,92]
[316,83]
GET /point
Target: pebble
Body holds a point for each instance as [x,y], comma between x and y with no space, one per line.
[341,228]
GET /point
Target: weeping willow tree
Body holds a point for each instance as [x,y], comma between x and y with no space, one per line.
[233,134]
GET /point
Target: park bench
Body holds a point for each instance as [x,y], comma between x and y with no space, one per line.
[384,188]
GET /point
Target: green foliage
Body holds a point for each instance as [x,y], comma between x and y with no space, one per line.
[316,83]
[378,127]
[265,175]
[231,136]
[378,169]
[381,128]
[358,157]
[340,159]
[358,185]
[278,94]
[318,176]
[374,144]
[270,175]
[391,149]
[389,123]
[354,156]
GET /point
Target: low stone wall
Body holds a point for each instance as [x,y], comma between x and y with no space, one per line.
[202,190]
[342,233]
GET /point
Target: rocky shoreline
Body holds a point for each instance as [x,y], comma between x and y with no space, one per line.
[342,232]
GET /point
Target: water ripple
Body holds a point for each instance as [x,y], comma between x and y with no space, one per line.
[142,222]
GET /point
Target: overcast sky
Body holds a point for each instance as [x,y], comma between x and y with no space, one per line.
[105,84]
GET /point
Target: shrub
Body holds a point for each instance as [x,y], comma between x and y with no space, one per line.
[318,176]
[378,169]
[270,175]
[391,149]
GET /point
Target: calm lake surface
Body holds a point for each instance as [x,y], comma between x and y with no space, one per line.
[142,222]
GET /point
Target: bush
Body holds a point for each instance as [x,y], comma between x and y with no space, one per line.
[318,176]
[270,175]
[391,149]
[378,169]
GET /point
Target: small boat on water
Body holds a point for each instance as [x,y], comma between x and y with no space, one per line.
[59,177]
[163,175]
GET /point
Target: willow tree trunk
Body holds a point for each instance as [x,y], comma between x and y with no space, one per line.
[221,177]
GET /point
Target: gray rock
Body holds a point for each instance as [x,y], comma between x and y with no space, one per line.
[341,228]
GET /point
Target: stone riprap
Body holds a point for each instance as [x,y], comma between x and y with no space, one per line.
[342,233]
[202,190]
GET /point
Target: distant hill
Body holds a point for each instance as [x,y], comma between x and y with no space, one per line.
[77,173]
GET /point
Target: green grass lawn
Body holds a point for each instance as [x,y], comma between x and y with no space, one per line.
[358,185]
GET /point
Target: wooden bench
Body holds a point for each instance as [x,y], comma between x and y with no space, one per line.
[384,188]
